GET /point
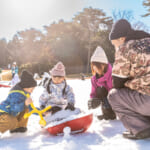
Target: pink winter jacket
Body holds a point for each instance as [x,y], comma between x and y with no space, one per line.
[105,81]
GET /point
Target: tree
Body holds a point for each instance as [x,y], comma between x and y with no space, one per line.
[3,53]
[128,15]
[93,21]
[63,40]
[29,47]
[122,14]
[146,3]
[140,26]
[70,42]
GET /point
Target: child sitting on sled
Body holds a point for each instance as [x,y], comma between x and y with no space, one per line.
[57,92]
[12,109]
[101,84]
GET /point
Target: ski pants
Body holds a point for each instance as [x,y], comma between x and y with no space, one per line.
[132,108]
[9,122]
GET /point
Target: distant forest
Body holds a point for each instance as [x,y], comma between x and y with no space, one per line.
[70,42]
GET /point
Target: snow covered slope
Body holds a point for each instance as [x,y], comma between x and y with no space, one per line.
[102,135]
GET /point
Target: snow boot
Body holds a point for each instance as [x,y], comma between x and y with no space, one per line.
[20,129]
[141,135]
[108,114]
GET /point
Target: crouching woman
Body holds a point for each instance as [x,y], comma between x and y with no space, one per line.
[130,98]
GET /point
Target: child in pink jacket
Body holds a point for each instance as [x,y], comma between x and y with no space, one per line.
[101,84]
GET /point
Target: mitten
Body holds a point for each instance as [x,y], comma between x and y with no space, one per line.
[42,106]
[93,103]
[70,106]
[55,109]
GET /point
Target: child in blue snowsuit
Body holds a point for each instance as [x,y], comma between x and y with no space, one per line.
[16,105]
[57,93]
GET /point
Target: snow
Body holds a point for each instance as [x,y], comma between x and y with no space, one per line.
[63,116]
[67,131]
[102,135]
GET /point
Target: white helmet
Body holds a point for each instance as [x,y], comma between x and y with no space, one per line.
[14,63]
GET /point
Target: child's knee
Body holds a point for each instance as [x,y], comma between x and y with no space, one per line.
[7,122]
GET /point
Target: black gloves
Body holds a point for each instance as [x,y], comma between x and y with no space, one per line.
[70,106]
[93,103]
[54,109]
[101,93]
[42,106]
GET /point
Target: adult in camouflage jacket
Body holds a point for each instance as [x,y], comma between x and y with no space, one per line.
[130,96]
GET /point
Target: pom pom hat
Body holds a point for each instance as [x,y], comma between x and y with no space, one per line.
[58,70]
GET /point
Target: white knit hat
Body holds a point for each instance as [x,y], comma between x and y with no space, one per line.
[99,56]
[14,63]
[58,70]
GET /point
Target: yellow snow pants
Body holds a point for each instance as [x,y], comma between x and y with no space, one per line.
[9,122]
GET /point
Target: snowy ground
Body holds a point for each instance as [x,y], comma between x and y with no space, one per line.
[102,135]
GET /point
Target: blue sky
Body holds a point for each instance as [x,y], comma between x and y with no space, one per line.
[17,15]
[134,5]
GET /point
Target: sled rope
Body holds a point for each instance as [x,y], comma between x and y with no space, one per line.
[42,122]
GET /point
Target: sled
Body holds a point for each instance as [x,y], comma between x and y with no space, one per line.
[3,85]
[77,125]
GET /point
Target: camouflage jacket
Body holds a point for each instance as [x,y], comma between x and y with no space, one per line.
[132,61]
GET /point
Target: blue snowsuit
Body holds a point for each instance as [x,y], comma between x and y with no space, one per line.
[15,102]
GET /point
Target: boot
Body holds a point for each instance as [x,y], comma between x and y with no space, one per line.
[20,129]
[141,135]
[108,114]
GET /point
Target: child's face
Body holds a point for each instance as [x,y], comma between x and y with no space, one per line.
[57,79]
[29,90]
[95,70]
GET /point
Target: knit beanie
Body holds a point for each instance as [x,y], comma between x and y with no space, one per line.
[58,70]
[27,80]
[120,29]
[99,56]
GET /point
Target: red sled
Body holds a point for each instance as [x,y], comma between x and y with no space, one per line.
[77,125]
[3,85]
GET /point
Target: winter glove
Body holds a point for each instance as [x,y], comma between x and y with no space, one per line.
[55,109]
[93,103]
[70,106]
[42,106]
